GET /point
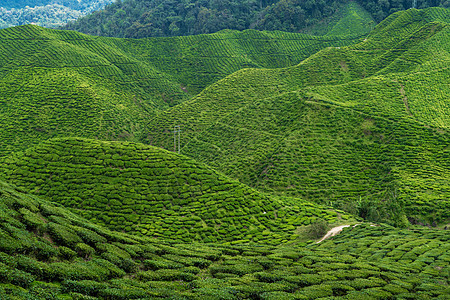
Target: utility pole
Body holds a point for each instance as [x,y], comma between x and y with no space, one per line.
[414,3]
[177,129]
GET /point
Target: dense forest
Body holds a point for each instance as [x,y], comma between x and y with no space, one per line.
[73,4]
[145,18]
[47,13]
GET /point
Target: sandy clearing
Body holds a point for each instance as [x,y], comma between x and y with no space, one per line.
[334,231]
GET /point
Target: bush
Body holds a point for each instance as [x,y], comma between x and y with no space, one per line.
[87,287]
[66,253]
[84,250]
[317,229]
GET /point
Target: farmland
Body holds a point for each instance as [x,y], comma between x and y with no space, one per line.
[347,124]
[50,253]
[282,137]
[60,83]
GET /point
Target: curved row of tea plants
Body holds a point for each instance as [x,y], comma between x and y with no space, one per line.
[47,252]
[57,83]
[149,191]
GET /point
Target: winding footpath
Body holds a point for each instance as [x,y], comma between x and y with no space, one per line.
[333,232]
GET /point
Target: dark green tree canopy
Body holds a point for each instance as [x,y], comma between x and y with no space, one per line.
[145,18]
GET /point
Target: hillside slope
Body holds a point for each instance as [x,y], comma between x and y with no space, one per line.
[61,83]
[47,252]
[55,83]
[356,126]
[149,191]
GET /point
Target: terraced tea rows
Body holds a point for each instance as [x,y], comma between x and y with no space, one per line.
[346,125]
[148,191]
[61,83]
[56,83]
[49,253]
[200,60]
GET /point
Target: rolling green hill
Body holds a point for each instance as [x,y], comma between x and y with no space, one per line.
[47,252]
[149,191]
[362,126]
[56,83]
[61,83]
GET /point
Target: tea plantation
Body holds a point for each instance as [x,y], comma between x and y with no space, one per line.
[363,125]
[148,191]
[47,252]
[283,135]
[60,83]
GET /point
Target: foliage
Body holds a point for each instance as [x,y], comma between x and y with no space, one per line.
[138,19]
[152,192]
[46,13]
[348,123]
[379,261]
[318,229]
[381,9]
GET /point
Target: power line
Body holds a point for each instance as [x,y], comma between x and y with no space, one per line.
[177,129]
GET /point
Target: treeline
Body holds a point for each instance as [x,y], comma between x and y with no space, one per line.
[380,9]
[46,13]
[73,4]
[145,18]
[48,16]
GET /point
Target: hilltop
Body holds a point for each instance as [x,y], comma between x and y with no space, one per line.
[62,83]
[148,191]
[47,252]
[362,127]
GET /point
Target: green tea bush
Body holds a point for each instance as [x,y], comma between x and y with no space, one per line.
[63,234]
[84,250]
[165,275]
[86,287]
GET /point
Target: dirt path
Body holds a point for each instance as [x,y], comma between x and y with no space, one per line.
[333,232]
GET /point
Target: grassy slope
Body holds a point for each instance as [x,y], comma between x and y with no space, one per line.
[349,19]
[47,252]
[149,191]
[60,83]
[346,123]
